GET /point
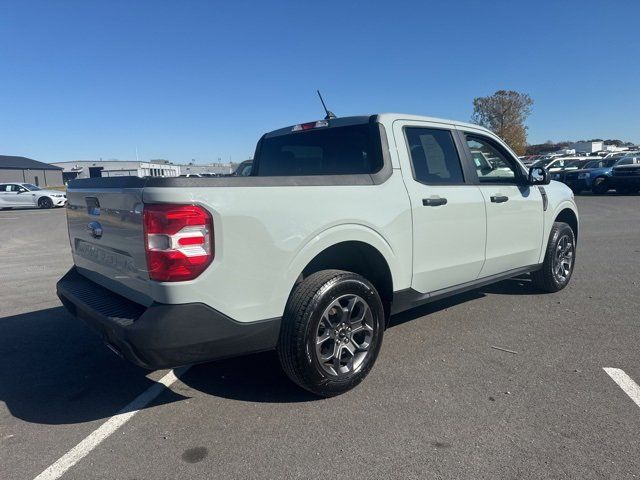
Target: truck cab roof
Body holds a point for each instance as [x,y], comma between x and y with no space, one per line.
[385,118]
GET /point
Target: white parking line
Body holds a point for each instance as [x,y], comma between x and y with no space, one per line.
[625,382]
[96,437]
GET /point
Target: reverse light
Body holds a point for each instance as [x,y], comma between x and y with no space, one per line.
[178,241]
[310,126]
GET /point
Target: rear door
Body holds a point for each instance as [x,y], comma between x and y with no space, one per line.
[449,225]
[6,195]
[514,209]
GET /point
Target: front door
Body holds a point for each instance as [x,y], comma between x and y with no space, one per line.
[449,224]
[514,209]
[24,197]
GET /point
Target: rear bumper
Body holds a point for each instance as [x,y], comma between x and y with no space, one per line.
[163,336]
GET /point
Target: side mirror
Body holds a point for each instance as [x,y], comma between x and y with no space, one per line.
[538,176]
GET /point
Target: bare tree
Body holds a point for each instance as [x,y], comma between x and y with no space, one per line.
[504,113]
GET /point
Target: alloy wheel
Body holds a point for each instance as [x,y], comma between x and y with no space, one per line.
[563,259]
[344,335]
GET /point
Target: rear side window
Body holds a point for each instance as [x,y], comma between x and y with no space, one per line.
[348,150]
[434,156]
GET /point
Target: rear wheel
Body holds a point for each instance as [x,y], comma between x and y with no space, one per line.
[331,332]
[559,260]
[600,186]
[45,202]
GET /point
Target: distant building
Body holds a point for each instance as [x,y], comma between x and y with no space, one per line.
[587,147]
[122,168]
[26,170]
[217,168]
[116,168]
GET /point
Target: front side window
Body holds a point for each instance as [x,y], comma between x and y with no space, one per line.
[346,150]
[492,164]
[434,156]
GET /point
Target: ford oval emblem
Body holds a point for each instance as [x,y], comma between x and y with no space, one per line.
[96,229]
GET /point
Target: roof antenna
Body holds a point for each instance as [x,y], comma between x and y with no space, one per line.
[330,114]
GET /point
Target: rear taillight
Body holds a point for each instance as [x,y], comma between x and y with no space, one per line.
[178,241]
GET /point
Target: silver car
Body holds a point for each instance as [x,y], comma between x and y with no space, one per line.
[28,195]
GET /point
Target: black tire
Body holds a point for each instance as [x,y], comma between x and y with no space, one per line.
[553,277]
[304,322]
[45,202]
[601,187]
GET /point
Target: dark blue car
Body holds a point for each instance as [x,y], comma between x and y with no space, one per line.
[595,175]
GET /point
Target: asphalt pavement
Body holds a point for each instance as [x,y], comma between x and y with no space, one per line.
[440,403]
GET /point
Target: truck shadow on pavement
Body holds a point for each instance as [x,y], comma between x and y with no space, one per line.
[55,370]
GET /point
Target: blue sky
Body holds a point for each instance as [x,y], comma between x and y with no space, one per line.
[202,80]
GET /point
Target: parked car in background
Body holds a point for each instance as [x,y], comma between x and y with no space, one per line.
[617,155]
[625,176]
[529,160]
[595,175]
[29,195]
[583,178]
[567,164]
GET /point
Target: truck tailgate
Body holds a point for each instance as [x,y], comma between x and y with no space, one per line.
[107,239]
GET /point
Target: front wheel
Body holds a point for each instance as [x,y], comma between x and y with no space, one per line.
[45,202]
[331,332]
[559,260]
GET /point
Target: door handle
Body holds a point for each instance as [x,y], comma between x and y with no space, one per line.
[499,198]
[434,202]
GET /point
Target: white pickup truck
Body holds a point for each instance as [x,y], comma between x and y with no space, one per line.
[341,223]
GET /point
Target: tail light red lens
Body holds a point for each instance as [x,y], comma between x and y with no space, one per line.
[178,241]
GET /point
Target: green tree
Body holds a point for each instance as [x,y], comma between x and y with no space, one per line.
[505,113]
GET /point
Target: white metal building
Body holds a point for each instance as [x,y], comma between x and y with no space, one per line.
[116,168]
[587,147]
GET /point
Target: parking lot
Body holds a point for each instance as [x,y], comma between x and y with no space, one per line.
[441,402]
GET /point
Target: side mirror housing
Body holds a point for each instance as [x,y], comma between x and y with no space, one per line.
[539,176]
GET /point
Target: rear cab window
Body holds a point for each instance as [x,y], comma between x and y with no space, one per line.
[333,149]
[434,157]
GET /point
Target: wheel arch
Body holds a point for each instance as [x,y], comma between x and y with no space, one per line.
[353,248]
[570,217]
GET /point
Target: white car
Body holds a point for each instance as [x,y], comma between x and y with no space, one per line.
[28,195]
[340,223]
